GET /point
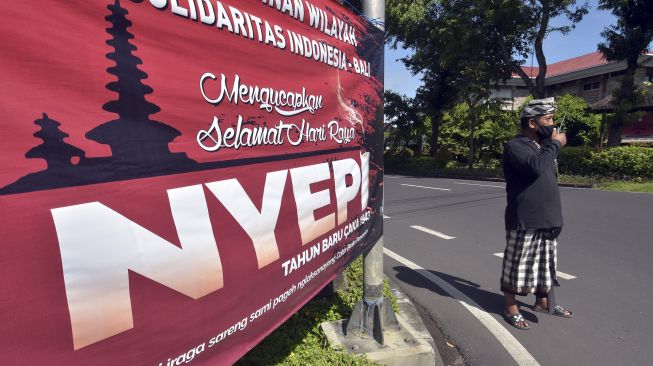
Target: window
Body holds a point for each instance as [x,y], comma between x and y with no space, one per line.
[592,86]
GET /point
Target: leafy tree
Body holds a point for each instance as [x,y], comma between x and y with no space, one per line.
[406,121]
[463,47]
[520,28]
[577,120]
[441,34]
[626,41]
[495,127]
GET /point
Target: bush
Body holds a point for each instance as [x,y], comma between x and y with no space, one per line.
[575,160]
[625,162]
[442,157]
[404,156]
[422,163]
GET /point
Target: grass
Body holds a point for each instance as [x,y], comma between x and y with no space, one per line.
[610,184]
[300,341]
[577,179]
[627,186]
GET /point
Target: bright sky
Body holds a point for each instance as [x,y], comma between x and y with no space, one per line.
[580,41]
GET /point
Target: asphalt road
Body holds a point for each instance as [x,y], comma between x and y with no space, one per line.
[441,238]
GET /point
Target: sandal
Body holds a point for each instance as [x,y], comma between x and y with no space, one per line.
[515,319]
[557,311]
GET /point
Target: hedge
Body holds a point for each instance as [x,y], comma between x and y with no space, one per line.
[625,162]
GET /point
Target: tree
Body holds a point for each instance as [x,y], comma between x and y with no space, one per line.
[520,28]
[403,115]
[463,47]
[626,41]
[494,127]
[484,30]
[577,120]
[441,34]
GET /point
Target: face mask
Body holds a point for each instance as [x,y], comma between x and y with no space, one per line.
[544,132]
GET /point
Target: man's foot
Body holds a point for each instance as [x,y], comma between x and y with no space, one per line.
[516,320]
[557,311]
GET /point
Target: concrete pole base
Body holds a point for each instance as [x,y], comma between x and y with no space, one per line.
[403,347]
[370,320]
[410,345]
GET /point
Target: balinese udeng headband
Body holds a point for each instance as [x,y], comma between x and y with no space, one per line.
[538,107]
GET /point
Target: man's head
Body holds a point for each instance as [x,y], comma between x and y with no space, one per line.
[537,118]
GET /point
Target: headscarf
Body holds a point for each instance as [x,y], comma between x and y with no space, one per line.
[538,107]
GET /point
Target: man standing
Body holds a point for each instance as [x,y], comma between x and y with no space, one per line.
[533,215]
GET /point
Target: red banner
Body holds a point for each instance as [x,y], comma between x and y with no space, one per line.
[179,176]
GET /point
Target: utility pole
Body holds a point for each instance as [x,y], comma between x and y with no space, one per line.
[374,314]
[375,10]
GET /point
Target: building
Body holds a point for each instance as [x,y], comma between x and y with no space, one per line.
[593,78]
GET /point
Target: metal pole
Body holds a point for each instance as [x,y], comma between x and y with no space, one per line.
[375,10]
[373,259]
[373,315]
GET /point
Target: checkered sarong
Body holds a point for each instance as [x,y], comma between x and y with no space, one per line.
[529,262]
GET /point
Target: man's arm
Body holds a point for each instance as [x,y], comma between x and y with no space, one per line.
[533,162]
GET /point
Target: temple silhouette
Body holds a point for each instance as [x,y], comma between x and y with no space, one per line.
[139,144]
[135,140]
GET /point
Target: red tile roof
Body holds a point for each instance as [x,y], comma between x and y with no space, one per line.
[573,64]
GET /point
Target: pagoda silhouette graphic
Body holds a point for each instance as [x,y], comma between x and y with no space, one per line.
[139,145]
[136,141]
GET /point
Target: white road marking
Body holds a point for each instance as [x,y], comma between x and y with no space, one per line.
[564,276]
[433,232]
[386,216]
[480,185]
[514,348]
[439,189]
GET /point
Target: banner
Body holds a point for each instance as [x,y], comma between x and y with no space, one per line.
[179,176]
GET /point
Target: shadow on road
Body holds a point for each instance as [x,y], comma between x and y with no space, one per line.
[487,301]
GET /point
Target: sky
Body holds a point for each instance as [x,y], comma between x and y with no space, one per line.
[580,41]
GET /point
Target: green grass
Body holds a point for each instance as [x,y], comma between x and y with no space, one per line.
[300,341]
[610,184]
[627,186]
[577,179]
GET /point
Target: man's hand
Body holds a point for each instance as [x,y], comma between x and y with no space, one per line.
[559,136]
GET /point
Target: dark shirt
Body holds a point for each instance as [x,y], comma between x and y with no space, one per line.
[531,184]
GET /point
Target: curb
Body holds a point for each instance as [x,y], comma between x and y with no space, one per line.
[477,178]
[410,314]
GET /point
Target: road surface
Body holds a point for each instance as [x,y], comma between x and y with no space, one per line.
[443,241]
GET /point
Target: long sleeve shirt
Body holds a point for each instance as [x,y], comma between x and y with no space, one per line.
[531,177]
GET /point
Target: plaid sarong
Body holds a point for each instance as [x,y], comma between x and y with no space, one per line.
[529,261]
